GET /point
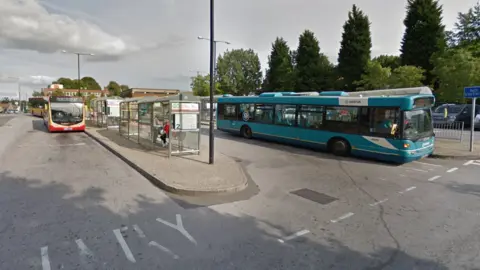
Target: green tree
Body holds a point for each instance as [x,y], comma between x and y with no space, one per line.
[5,100]
[239,72]
[201,85]
[456,68]
[355,47]
[466,33]
[390,61]
[424,35]
[57,93]
[113,88]
[37,94]
[279,76]
[85,83]
[375,77]
[407,76]
[124,87]
[90,83]
[313,70]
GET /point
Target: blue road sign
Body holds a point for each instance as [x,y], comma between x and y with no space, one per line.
[471,92]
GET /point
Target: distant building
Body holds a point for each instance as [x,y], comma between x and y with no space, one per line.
[73,92]
[146,92]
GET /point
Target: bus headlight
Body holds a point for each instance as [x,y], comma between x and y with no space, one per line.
[406,145]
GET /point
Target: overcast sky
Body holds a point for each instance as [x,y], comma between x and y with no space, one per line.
[153,43]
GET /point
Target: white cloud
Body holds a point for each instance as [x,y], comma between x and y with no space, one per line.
[32,80]
[26,24]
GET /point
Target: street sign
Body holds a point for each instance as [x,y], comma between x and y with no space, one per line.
[471,92]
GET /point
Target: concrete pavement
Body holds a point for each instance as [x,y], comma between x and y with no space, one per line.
[186,175]
[70,204]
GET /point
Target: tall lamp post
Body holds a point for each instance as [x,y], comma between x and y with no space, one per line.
[19,90]
[78,64]
[213,63]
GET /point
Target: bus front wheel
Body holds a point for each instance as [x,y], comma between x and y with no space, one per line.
[246,132]
[339,147]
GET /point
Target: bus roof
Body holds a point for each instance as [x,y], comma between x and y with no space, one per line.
[403,98]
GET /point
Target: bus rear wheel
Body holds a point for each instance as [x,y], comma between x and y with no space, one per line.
[339,147]
[246,132]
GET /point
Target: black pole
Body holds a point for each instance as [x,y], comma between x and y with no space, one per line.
[212,83]
[78,63]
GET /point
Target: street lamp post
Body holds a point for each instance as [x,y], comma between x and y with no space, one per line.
[213,63]
[78,64]
[19,89]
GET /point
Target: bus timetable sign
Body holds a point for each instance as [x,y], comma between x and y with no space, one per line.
[67,99]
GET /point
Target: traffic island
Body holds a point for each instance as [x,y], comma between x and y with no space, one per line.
[452,149]
[184,175]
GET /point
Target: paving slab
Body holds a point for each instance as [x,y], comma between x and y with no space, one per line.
[453,149]
[186,175]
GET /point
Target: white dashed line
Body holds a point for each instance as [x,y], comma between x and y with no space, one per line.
[293,236]
[452,170]
[434,178]
[403,175]
[383,179]
[123,244]
[347,215]
[379,202]
[418,170]
[408,189]
[45,259]
[429,164]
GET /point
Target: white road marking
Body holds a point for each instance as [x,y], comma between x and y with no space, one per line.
[452,170]
[347,215]
[408,189]
[379,202]
[383,179]
[472,162]
[293,236]
[415,169]
[123,244]
[429,164]
[179,227]
[164,249]
[139,231]
[62,145]
[124,229]
[434,178]
[403,175]
[84,250]
[45,260]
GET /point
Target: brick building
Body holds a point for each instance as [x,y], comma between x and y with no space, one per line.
[146,92]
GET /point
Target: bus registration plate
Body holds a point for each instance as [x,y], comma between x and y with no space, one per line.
[67,128]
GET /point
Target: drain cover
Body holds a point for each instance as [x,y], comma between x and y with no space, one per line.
[314,196]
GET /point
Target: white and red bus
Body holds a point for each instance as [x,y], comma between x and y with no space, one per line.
[65,114]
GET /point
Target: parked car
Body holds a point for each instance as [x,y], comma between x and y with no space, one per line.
[455,113]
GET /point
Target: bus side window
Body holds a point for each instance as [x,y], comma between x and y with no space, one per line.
[364,120]
[383,121]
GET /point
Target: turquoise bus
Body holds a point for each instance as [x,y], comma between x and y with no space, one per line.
[392,125]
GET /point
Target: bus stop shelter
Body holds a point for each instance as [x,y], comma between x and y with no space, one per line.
[129,118]
[106,111]
[151,115]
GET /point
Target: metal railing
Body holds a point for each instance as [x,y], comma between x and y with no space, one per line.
[453,131]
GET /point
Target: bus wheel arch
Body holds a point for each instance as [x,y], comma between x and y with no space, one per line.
[339,146]
[246,132]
